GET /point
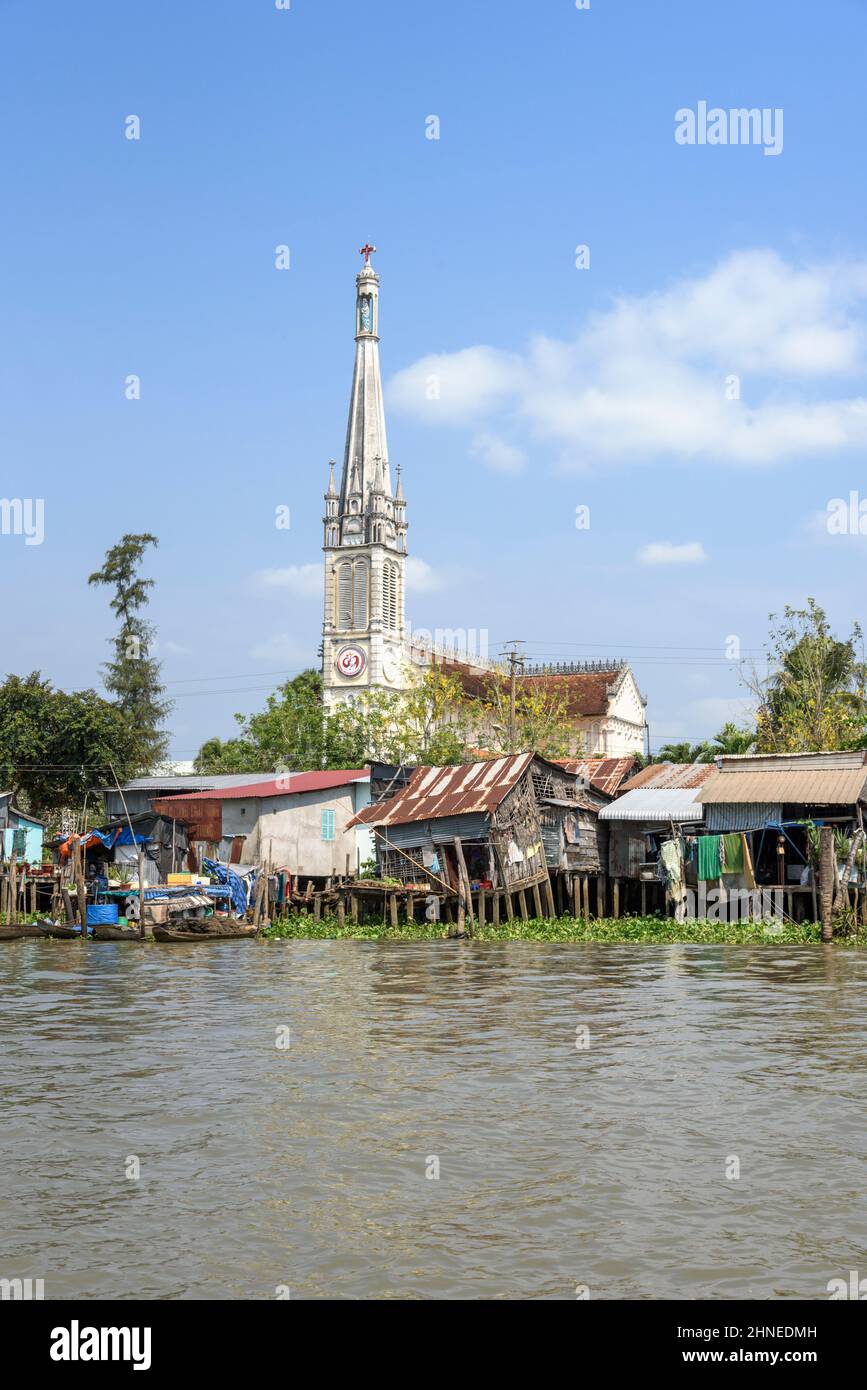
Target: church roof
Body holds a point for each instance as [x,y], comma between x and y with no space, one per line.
[586,692]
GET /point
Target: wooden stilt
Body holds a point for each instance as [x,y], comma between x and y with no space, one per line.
[392,907]
[537,901]
[522,902]
[353,905]
[576,896]
[600,895]
[643,898]
[341,912]
[510,907]
[616,906]
[585,895]
[410,906]
[481,907]
[496,906]
[549,894]
[462,866]
[317,907]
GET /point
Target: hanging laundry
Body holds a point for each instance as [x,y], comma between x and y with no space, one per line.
[732,857]
[709,865]
[749,875]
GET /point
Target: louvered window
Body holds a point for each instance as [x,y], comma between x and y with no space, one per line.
[352,588]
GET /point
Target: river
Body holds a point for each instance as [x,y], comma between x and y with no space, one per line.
[586,1108]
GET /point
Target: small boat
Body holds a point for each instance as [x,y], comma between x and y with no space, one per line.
[16,933]
[58,931]
[104,932]
[201,929]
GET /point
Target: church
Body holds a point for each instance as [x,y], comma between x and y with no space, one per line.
[365,644]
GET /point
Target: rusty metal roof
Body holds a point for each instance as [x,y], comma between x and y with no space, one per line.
[606,774]
[670,775]
[818,779]
[449,791]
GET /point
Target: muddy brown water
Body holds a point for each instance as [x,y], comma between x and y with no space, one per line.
[309,1166]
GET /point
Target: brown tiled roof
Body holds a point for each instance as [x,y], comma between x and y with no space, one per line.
[586,693]
[665,775]
[606,774]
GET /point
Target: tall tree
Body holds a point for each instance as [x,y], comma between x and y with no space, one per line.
[133,677]
[55,746]
[813,695]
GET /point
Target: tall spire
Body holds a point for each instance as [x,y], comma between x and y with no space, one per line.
[365,431]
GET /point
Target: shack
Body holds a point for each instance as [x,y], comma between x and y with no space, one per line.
[779,802]
[655,805]
[485,827]
[20,832]
[298,821]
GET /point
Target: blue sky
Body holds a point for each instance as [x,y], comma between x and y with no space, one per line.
[560,387]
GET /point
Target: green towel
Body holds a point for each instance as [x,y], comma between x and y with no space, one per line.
[734,854]
[708,856]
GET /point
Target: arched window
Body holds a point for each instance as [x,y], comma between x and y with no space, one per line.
[351,595]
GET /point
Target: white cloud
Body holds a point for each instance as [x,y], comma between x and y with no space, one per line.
[422,578]
[655,374]
[498,454]
[667,553]
[301,580]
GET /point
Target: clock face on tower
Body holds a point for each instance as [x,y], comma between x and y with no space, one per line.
[350,662]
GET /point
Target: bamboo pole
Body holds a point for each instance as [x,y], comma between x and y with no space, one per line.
[464,875]
[13,890]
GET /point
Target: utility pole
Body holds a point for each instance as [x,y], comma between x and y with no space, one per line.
[515,661]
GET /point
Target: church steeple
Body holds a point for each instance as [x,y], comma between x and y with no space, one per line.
[364,628]
[365,432]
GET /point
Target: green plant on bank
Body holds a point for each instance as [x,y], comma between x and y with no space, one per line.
[614,931]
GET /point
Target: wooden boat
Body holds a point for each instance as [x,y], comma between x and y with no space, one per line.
[58,931]
[204,929]
[39,931]
[104,932]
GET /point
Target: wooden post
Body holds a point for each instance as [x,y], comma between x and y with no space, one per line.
[392,906]
[81,889]
[462,917]
[643,898]
[465,886]
[537,901]
[510,907]
[549,894]
[33,897]
[576,896]
[616,907]
[67,904]
[481,907]
[13,890]
[341,912]
[353,904]
[522,903]
[585,895]
[496,905]
[600,895]
[410,905]
[827,879]
[317,907]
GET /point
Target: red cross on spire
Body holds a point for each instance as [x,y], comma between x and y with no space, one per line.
[366,251]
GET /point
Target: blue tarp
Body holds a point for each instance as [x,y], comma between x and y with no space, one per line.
[110,838]
[237,885]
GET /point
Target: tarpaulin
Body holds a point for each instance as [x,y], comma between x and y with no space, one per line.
[236,884]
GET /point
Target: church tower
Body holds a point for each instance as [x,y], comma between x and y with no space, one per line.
[364,629]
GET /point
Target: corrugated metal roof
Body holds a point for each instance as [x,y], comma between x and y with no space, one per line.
[654,805]
[192,782]
[823,782]
[286,784]
[449,791]
[660,775]
[606,774]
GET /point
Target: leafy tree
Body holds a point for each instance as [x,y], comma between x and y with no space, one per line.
[542,721]
[133,677]
[685,753]
[731,740]
[54,746]
[813,696]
